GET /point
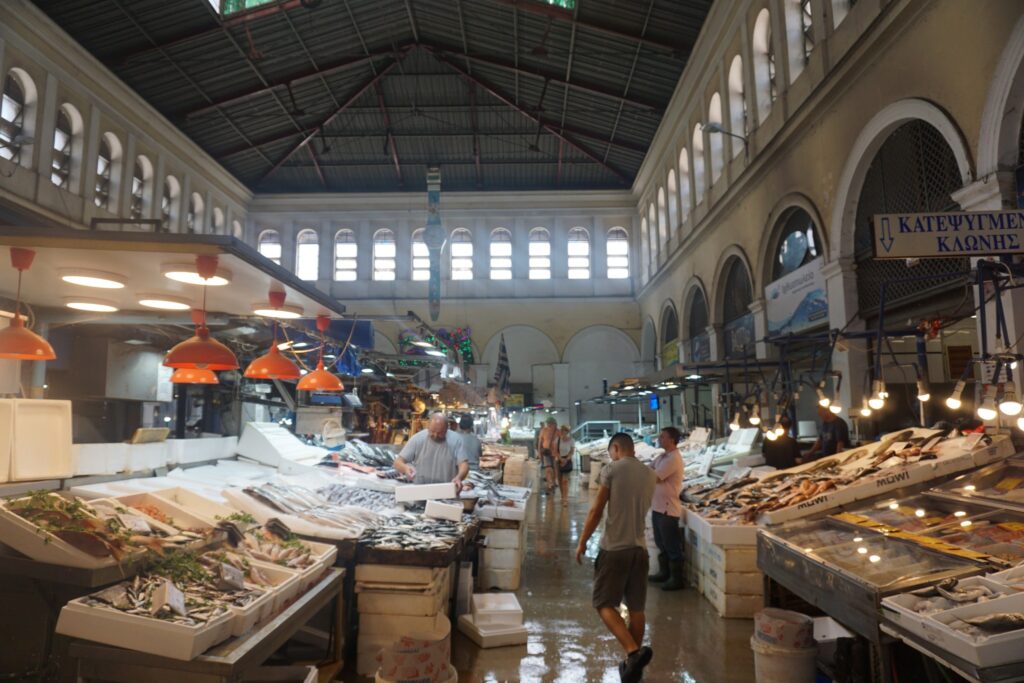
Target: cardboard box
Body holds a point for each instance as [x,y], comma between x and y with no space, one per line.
[737,583]
[732,606]
[386,573]
[401,602]
[721,559]
[721,532]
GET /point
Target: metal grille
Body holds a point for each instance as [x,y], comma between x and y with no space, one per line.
[738,295]
[913,171]
[698,315]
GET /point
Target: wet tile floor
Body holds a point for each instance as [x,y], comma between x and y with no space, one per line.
[567,641]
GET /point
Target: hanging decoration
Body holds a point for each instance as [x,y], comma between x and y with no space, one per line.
[273,365]
[202,351]
[320,379]
[17,342]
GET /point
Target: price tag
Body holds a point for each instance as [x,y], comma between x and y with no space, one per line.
[231,578]
[1009,483]
[168,594]
[134,523]
[704,462]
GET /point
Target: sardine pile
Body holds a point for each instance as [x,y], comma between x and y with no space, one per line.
[252,573]
[135,597]
[295,500]
[363,453]
[339,494]
[411,532]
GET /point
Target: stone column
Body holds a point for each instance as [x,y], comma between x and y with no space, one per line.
[841,284]
[762,349]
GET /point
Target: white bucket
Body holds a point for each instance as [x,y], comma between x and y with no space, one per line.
[783,665]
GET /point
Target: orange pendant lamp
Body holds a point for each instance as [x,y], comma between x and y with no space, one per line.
[17,342]
[202,351]
[194,376]
[272,365]
[320,379]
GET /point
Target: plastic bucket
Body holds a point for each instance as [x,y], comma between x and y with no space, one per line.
[453,676]
[783,628]
[783,665]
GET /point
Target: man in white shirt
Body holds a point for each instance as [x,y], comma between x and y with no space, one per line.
[666,509]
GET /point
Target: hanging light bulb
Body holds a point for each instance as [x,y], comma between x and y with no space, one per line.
[194,376]
[882,390]
[865,409]
[779,429]
[771,435]
[17,342]
[1020,423]
[835,408]
[320,379]
[735,424]
[755,415]
[1010,405]
[924,393]
[823,400]
[202,351]
[987,409]
[877,400]
[953,402]
[273,365]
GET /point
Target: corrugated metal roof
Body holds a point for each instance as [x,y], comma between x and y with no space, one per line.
[504,94]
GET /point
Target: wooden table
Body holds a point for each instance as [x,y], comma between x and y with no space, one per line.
[226,663]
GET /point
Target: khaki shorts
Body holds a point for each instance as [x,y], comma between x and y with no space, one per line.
[621,576]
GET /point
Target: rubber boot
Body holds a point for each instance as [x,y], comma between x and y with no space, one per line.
[675,581]
[663,571]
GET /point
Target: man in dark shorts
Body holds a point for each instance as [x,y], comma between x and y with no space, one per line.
[625,487]
[547,442]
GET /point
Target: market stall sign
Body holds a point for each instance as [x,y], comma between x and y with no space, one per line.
[947,235]
[670,353]
[798,300]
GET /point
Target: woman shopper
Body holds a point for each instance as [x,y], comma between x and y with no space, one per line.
[666,510]
[566,450]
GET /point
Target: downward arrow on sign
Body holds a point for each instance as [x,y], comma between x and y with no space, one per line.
[886,239]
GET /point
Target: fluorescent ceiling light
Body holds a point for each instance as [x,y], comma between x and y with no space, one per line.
[282,313]
[92,278]
[92,305]
[164,302]
[186,272]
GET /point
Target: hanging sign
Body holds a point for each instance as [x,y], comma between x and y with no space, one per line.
[798,300]
[948,235]
[670,353]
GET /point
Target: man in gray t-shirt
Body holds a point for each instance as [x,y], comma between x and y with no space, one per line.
[470,443]
[434,455]
[625,488]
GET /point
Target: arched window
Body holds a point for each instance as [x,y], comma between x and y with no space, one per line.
[840,8]
[738,293]
[799,35]
[698,164]
[716,141]
[737,105]
[540,254]
[645,250]
[799,243]
[269,245]
[218,221]
[662,219]
[104,169]
[384,251]
[684,183]
[764,65]
[669,325]
[420,257]
[501,254]
[652,227]
[63,139]
[142,178]
[617,249]
[462,254]
[170,204]
[307,255]
[579,254]
[346,256]
[672,189]
[12,118]
[914,171]
[697,315]
[194,216]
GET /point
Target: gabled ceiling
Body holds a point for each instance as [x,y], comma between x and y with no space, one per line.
[362,95]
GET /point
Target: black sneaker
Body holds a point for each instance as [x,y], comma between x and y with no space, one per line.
[632,669]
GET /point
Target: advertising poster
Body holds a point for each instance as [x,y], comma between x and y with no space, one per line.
[797,301]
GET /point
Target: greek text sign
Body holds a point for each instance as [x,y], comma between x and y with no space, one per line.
[938,235]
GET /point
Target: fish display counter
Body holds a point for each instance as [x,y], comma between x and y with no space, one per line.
[847,570]
[998,485]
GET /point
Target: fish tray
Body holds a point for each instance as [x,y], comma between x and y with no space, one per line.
[721,532]
[180,517]
[285,584]
[200,506]
[345,550]
[994,650]
[899,609]
[142,634]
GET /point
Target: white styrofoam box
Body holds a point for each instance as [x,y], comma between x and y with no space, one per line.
[99,458]
[464,589]
[502,579]
[256,611]
[385,573]
[995,650]
[42,546]
[404,603]
[497,608]
[199,505]
[899,609]
[721,559]
[1000,449]
[440,510]
[6,437]
[492,635]
[387,625]
[185,451]
[732,606]
[147,456]
[144,634]
[721,532]
[281,674]
[500,558]
[741,583]
[489,512]
[827,629]
[1008,576]
[502,538]
[179,516]
[284,584]
[413,492]
[41,448]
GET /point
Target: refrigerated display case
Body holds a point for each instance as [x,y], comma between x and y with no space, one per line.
[999,485]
